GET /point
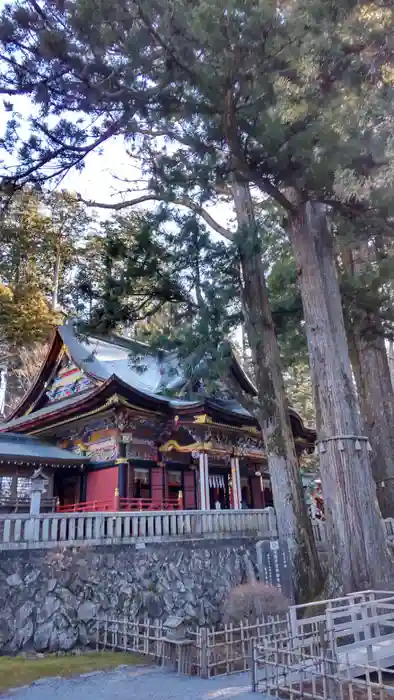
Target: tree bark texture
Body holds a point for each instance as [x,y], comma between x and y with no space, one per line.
[374,385]
[360,555]
[293,522]
[56,279]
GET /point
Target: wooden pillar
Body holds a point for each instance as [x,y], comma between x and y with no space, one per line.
[203,481]
[82,487]
[14,487]
[236,483]
[122,470]
[122,479]
[116,505]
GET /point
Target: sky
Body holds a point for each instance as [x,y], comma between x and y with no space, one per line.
[99,181]
[101,178]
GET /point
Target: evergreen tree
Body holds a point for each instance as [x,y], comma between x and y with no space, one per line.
[39,233]
[286,100]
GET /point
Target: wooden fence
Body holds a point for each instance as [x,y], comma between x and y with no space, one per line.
[221,652]
[354,608]
[206,652]
[351,635]
[289,670]
[73,529]
[319,529]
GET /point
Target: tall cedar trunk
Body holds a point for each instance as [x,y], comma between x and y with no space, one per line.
[293,522]
[56,278]
[390,354]
[360,556]
[373,380]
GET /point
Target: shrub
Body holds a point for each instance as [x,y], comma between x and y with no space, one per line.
[253,600]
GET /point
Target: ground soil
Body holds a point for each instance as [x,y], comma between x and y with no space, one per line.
[23,670]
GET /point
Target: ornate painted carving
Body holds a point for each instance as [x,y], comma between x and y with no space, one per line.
[69,380]
[142,449]
[98,446]
[83,432]
[124,420]
[219,443]
[105,449]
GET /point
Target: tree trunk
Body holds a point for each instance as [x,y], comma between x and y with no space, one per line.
[293,522]
[390,354]
[360,556]
[56,279]
[374,386]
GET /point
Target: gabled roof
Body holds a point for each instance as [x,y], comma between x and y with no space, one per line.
[124,368]
[23,449]
[153,374]
[113,390]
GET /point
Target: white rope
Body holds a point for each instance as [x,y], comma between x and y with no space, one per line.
[321,448]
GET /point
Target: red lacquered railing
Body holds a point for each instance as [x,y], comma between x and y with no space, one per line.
[150,504]
[122,504]
[86,507]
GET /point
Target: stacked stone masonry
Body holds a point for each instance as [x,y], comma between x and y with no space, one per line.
[50,600]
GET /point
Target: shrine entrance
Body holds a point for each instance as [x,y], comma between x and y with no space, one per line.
[138,482]
[219,491]
[67,489]
[174,484]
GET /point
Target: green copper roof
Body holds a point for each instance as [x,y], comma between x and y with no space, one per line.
[15,448]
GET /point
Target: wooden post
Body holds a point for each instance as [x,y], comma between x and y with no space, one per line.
[236,483]
[203,482]
[116,500]
[204,663]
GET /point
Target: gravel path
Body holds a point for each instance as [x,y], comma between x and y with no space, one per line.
[127,683]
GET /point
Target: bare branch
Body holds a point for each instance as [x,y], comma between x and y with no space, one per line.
[178,201]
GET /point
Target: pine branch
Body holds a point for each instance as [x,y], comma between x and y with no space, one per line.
[178,201]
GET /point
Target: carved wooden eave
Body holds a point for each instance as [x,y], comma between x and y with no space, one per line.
[109,394]
[210,447]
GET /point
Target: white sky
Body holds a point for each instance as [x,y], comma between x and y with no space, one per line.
[101,178]
[99,182]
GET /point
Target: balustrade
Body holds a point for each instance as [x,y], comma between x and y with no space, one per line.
[106,527]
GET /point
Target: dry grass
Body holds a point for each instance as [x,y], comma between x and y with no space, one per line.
[254,600]
[16,671]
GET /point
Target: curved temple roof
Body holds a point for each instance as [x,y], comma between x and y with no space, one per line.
[118,363]
[128,360]
[16,448]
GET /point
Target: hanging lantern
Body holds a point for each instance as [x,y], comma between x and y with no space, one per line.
[369,448]
[357,446]
[341,446]
[322,448]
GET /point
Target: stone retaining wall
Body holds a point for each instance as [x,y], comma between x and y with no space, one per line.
[49,600]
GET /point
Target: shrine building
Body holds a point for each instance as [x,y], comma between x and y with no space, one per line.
[115,430]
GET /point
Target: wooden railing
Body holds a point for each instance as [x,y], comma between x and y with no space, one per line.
[124,504]
[21,504]
[319,529]
[73,529]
